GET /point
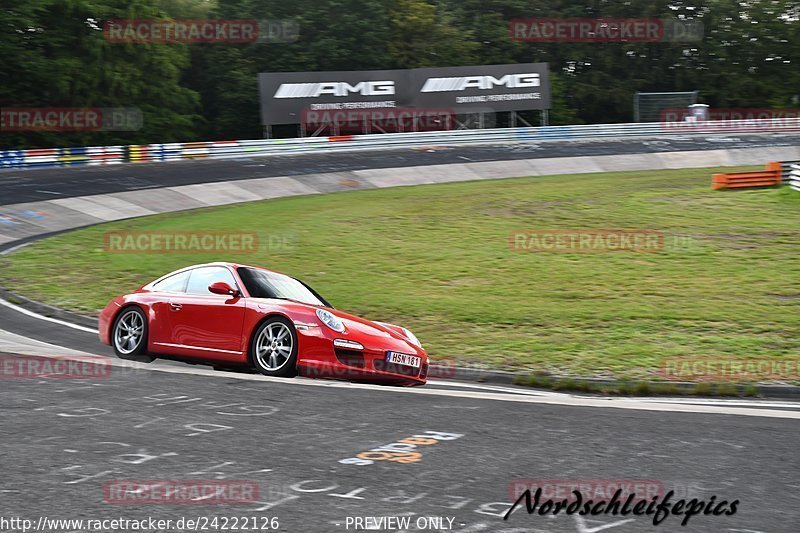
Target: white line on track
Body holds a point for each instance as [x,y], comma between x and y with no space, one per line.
[498,388]
[485,392]
[665,399]
[46,318]
[20,246]
[612,403]
[722,401]
[14,248]
[19,345]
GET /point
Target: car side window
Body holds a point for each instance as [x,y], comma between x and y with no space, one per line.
[175,283]
[201,278]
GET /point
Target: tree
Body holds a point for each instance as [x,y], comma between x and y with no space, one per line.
[421,37]
[55,55]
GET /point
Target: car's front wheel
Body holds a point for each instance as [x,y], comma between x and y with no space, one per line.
[129,336]
[273,350]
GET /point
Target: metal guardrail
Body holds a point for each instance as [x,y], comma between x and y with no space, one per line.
[104,155]
[794,176]
[786,170]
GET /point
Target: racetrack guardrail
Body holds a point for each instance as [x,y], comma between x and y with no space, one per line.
[794,177]
[736,180]
[105,155]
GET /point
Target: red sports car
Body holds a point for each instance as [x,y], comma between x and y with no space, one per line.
[228,314]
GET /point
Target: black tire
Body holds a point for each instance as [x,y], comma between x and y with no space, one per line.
[274,359]
[132,321]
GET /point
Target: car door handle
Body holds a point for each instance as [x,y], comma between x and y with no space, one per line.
[175,307]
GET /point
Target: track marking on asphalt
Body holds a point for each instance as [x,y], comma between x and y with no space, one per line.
[46,318]
[19,345]
[583,528]
[8,251]
[729,403]
[572,401]
[486,392]
[507,390]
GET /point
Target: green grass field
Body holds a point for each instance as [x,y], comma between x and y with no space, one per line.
[437,259]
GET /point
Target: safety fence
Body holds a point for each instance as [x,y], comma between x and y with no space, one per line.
[768,177]
[794,176]
[786,170]
[775,173]
[105,155]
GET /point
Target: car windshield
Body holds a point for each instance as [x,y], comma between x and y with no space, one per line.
[265,284]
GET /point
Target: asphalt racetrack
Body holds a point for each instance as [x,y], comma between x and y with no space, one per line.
[318,452]
[32,185]
[66,441]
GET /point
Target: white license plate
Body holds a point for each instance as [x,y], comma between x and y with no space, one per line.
[403,359]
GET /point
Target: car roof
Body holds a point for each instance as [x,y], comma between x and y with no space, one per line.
[214,263]
[234,266]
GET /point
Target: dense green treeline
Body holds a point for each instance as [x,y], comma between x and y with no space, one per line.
[54,54]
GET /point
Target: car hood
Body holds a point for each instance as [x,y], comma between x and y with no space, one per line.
[356,326]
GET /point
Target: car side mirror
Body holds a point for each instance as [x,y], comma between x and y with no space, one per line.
[220,287]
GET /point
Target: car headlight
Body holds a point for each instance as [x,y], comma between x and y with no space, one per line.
[330,320]
[413,338]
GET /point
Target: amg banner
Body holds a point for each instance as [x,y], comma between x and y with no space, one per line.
[287,97]
[487,89]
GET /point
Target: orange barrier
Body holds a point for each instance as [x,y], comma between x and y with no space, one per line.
[769,177]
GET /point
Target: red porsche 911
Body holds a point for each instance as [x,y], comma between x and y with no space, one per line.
[227,314]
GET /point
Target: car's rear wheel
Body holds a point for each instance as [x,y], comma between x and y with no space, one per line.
[273,350]
[129,336]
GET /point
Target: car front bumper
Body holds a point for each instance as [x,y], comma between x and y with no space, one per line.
[319,358]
